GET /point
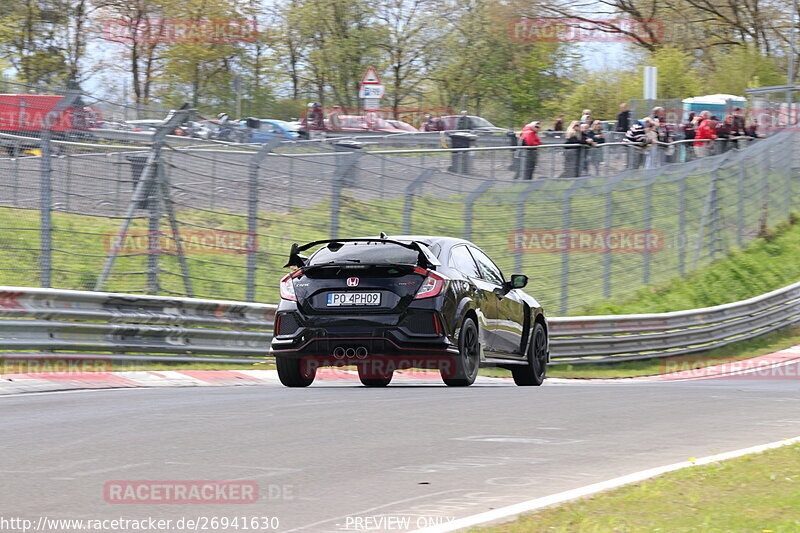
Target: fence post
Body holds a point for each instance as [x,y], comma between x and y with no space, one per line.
[740,205]
[682,243]
[608,223]
[408,204]
[521,201]
[46,189]
[469,209]
[153,234]
[147,181]
[345,161]
[648,221]
[252,214]
[565,225]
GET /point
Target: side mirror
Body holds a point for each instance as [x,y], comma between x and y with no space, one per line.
[253,123]
[518,281]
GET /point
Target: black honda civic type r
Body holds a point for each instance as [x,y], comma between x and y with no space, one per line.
[390,303]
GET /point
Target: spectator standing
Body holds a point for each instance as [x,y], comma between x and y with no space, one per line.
[707,130]
[738,122]
[623,118]
[726,133]
[689,130]
[463,121]
[530,137]
[574,156]
[635,136]
[559,124]
[597,135]
[586,117]
[652,138]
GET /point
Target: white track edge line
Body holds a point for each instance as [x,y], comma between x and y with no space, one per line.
[512,511]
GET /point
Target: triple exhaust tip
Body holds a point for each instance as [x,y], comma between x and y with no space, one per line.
[339,352]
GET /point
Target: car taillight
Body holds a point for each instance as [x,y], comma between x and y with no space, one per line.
[432,285]
[287,286]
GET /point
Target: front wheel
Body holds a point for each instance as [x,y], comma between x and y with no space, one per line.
[464,368]
[534,372]
[293,373]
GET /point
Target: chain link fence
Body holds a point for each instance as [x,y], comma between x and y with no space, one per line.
[161,216]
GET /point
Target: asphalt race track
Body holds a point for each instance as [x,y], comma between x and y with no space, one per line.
[338,456]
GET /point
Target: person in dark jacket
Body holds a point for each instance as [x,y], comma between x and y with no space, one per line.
[559,124]
[597,135]
[623,118]
[636,135]
[574,156]
[529,137]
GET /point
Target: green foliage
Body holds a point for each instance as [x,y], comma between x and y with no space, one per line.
[740,68]
[677,77]
[765,265]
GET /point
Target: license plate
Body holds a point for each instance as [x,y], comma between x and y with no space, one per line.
[353,298]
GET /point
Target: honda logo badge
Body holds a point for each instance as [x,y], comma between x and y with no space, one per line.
[352,282]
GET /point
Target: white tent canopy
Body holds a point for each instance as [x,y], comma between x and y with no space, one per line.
[714,99]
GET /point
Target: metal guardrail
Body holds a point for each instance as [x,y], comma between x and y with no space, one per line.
[140,327]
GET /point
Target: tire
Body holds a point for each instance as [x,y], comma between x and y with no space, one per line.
[534,373]
[469,357]
[291,374]
[372,378]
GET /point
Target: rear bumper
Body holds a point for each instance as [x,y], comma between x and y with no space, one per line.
[381,342]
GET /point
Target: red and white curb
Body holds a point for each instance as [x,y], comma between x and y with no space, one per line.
[48,382]
[784,364]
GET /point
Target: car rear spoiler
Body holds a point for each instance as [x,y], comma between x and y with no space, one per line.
[426,258]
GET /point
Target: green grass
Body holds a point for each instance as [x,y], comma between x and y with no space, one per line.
[766,264]
[757,493]
[80,248]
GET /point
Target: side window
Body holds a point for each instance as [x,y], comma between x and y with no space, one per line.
[461,260]
[267,127]
[489,270]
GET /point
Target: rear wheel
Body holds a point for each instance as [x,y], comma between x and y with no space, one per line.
[293,373]
[465,367]
[534,372]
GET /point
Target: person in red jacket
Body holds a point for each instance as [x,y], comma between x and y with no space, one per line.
[529,137]
[706,130]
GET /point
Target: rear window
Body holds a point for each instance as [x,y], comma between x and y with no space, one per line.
[375,253]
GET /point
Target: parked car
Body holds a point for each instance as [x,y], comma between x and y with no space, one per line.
[388,303]
[456,122]
[269,128]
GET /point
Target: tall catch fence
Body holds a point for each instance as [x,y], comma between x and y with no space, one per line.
[216,220]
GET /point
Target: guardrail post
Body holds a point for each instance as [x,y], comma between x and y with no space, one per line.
[408,204]
[146,181]
[252,214]
[46,189]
